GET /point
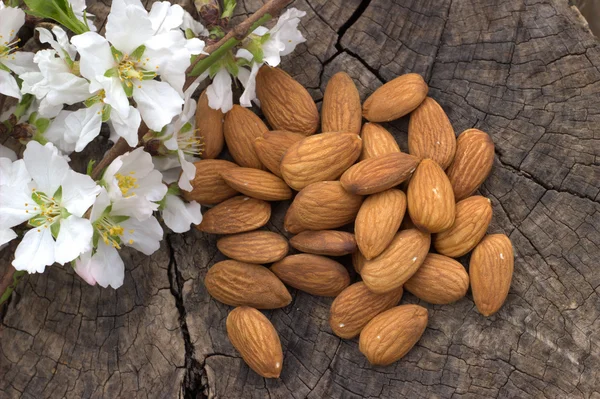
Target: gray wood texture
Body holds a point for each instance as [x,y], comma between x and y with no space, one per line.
[525,71]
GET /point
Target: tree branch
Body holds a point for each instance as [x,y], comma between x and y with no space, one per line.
[272,7]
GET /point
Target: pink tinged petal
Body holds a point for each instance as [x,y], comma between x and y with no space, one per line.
[83,126]
[144,236]
[96,57]
[79,192]
[74,238]
[136,207]
[158,103]
[129,29]
[6,152]
[220,95]
[83,268]
[35,252]
[178,215]
[102,202]
[6,236]
[107,267]
[20,62]
[47,168]
[11,20]
[126,127]
[9,86]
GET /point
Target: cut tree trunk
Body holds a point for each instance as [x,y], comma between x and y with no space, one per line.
[525,71]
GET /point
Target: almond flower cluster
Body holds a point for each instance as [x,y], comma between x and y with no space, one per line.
[132,76]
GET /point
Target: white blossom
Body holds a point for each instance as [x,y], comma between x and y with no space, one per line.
[132,178]
[11,20]
[179,215]
[79,9]
[283,37]
[115,225]
[52,198]
[219,93]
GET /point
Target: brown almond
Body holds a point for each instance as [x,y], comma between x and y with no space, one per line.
[440,280]
[472,163]
[377,141]
[314,274]
[473,216]
[208,186]
[430,198]
[378,221]
[392,334]
[341,110]
[209,123]
[491,270]
[400,260]
[257,184]
[254,247]
[324,242]
[320,157]
[286,104]
[430,133]
[241,128]
[354,307]
[255,338]
[271,147]
[396,98]
[236,215]
[244,284]
[322,206]
[375,175]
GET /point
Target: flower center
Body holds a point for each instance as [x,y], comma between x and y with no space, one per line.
[7,49]
[127,183]
[190,143]
[110,231]
[130,69]
[47,210]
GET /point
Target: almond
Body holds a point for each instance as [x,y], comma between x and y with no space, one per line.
[324,242]
[375,175]
[208,186]
[257,184]
[241,128]
[400,260]
[392,334]
[354,307]
[358,261]
[314,274]
[377,141]
[430,133]
[341,110]
[472,163]
[430,198]
[236,215]
[209,123]
[396,98]
[320,157]
[243,284]
[255,338]
[491,270]
[271,147]
[378,221]
[440,280]
[254,247]
[473,216]
[285,103]
[322,206]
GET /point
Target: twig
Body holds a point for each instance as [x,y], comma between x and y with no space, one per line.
[272,7]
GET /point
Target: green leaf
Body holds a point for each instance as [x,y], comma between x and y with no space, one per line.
[58,194]
[90,167]
[106,112]
[189,34]
[42,124]
[32,117]
[228,8]
[128,88]
[4,68]
[112,72]
[55,229]
[138,53]
[59,11]
[23,105]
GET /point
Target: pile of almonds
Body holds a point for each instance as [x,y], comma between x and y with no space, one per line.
[404,206]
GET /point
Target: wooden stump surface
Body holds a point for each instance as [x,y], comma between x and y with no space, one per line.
[525,71]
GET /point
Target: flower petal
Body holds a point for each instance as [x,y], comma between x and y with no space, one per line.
[144,236]
[129,28]
[126,127]
[178,215]
[83,126]
[35,252]
[107,267]
[136,207]
[96,57]
[102,202]
[152,187]
[79,192]
[9,86]
[12,19]
[13,210]
[20,62]
[188,172]
[47,168]
[56,133]
[220,95]
[195,26]
[83,267]
[74,238]
[6,236]
[165,16]
[249,83]
[6,152]
[158,103]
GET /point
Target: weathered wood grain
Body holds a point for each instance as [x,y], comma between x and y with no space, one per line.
[525,71]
